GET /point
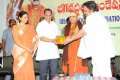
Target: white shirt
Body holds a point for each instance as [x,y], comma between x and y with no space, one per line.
[97,42]
[47,50]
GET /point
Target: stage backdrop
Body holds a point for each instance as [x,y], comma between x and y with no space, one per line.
[110,9]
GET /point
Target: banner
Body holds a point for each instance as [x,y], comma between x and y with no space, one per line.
[110,9]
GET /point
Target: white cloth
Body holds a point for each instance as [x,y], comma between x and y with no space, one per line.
[101,67]
[97,43]
[47,50]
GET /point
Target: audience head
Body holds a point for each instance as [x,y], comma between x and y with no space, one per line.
[12,22]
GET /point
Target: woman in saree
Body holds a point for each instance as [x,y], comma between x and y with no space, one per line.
[70,62]
[25,39]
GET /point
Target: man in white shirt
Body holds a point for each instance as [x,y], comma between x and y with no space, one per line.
[96,40]
[47,53]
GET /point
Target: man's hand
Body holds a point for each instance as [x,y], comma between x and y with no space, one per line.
[54,41]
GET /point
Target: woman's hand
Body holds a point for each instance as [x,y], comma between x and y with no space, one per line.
[30,50]
[68,39]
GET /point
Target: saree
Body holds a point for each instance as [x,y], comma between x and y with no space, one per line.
[23,63]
